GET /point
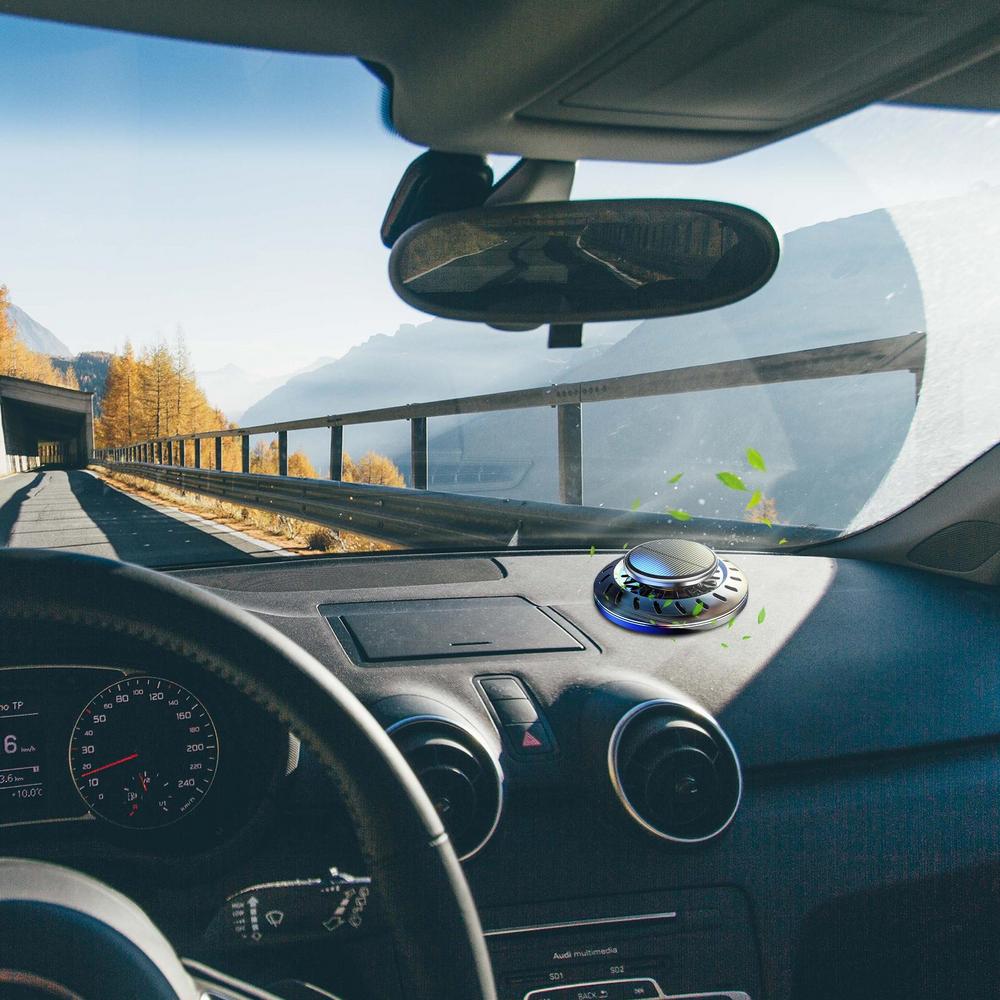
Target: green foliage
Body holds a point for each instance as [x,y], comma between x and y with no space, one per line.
[761,615]
[675,479]
[679,515]
[731,480]
[755,460]
[754,500]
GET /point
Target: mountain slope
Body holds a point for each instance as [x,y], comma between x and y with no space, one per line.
[434,360]
[32,334]
[827,444]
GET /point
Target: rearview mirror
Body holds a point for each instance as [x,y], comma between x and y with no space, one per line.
[583,261]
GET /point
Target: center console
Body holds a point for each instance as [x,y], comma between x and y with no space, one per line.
[692,943]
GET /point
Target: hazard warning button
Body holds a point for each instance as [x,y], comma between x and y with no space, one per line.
[529,738]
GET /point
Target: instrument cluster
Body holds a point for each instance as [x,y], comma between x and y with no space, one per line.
[142,754]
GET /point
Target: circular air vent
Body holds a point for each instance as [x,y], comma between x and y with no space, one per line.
[460,775]
[670,585]
[675,771]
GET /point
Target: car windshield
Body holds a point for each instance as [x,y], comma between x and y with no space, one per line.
[191,232]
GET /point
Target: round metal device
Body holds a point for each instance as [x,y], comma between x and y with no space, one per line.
[670,585]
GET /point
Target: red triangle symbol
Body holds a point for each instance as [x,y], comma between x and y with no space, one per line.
[529,740]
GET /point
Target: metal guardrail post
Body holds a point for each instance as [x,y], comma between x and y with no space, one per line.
[218,454]
[282,453]
[337,452]
[183,452]
[570,442]
[197,453]
[245,454]
[418,452]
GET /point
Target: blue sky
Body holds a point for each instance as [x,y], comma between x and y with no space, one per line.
[151,185]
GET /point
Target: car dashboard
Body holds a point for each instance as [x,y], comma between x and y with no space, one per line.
[842,838]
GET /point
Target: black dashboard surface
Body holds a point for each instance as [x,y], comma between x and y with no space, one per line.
[863,701]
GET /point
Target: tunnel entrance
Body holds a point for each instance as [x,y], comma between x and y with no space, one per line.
[44,425]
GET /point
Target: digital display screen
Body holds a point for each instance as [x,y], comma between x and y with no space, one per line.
[22,764]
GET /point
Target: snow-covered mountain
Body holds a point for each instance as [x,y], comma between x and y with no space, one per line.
[32,334]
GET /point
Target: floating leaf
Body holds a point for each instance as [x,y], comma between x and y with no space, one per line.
[782,541]
[666,603]
[675,479]
[744,637]
[593,549]
[725,645]
[635,505]
[761,615]
[766,522]
[731,480]
[755,460]
[697,609]
[732,622]
[755,499]
[679,515]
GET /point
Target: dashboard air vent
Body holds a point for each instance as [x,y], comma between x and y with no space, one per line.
[459,774]
[675,771]
[670,585]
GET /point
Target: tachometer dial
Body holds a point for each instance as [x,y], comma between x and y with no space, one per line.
[144,752]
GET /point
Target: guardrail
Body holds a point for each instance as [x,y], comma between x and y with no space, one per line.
[904,353]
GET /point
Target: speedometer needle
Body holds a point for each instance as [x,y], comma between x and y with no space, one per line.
[104,767]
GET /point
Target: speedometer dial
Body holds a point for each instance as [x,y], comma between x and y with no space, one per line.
[144,752]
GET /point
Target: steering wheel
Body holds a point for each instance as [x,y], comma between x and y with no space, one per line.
[67,935]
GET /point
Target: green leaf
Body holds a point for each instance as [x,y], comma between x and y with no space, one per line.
[635,505]
[744,637]
[675,479]
[755,499]
[766,522]
[666,604]
[732,622]
[679,515]
[756,462]
[731,480]
[697,609]
[725,645]
[782,541]
[761,615]
[593,549]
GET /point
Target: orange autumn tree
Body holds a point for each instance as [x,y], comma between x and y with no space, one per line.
[19,361]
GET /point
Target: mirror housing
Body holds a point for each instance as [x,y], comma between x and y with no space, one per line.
[583,261]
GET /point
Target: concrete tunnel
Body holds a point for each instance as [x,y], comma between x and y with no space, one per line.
[44,425]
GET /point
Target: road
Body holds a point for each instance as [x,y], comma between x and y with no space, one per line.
[76,512]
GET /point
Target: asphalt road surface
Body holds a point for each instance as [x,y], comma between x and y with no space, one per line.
[76,512]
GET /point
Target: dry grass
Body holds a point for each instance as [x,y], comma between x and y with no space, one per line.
[301,537]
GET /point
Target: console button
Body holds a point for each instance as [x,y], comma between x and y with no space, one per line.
[515,710]
[501,688]
[641,988]
[528,739]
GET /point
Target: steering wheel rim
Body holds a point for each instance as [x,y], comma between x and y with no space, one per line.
[66,608]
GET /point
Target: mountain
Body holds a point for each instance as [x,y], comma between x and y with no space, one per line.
[432,360]
[91,370]
[234,390]
[826,444]
[32,334]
